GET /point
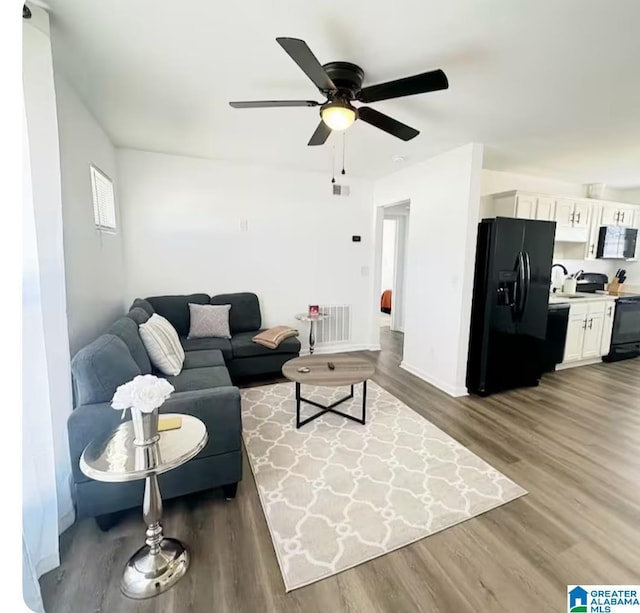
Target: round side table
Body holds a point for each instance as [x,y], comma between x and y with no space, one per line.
[161,562]
[312,326]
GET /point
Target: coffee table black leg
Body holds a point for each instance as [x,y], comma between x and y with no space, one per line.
[331,408]
[364,400]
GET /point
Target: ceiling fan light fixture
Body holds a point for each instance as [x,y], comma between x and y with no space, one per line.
[338,115]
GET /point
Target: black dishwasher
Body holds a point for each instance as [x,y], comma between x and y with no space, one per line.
[557,320]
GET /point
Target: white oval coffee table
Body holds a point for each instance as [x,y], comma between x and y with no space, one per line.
[348,370]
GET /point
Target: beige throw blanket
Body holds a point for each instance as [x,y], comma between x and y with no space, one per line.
[274,336]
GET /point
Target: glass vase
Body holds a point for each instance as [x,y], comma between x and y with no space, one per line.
[145,427]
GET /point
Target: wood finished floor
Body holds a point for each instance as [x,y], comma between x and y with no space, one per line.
[573,443]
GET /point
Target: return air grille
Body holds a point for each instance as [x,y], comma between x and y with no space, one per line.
[336,327]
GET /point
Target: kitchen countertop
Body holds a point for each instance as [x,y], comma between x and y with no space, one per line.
[559,298]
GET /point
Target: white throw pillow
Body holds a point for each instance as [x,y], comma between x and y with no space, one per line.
[209,320]
[161,341]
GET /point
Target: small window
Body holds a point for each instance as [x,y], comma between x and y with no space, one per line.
[104,204]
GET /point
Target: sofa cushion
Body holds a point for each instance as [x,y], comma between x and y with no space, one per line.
[245,310]
[176,309]
[162,344]
[209,320]
[200,359]
[139,315]
[145,305]
[127,330]
[201,344]
[244,347]
[200,378]
[100,367]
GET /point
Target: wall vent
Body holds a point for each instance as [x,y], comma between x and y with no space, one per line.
[336,328]
[341,190]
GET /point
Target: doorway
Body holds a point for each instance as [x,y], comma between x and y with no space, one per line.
[391,298]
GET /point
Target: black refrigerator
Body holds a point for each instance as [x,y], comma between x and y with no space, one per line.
[510,304]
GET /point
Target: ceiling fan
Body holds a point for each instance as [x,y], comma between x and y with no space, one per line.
[341,84]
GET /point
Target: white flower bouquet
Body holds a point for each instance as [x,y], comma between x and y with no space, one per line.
[143,395]
[144,392]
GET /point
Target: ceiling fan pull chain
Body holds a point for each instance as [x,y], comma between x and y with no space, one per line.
[344,137]
[333,164]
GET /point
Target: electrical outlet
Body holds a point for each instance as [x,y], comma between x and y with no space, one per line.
[244,225]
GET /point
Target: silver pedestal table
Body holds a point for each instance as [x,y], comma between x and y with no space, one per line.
[161,563]
[312,326]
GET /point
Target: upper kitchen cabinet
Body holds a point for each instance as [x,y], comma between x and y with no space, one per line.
[573,218]
[545,208]
[524,205]
[616,214]
[578,220]
[594,230]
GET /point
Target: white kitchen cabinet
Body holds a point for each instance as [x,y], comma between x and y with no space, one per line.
[592,336]
[564,213]
[609,215]
[582,214]
[572,213]
[589,331]
[615,214]
[607,328]
[578,220]
[545,208]
[594,231]
[575,338]
[526,207]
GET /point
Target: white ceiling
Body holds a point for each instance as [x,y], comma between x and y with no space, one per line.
[550,87]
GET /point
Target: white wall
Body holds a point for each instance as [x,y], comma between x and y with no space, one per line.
[93,260]
[183,234]
[631,195]
[388,254]
[494,181]
[47,262]
[444,193]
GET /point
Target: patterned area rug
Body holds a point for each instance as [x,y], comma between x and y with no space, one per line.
[336,493]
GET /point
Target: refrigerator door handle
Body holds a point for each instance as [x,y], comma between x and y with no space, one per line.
[517,289]
[527,281]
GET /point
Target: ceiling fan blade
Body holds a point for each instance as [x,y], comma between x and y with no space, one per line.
[321,134]
[303,56]
[265,104]
[386,123]
[418,84]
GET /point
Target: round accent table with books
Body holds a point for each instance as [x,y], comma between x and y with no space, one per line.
[331,371]
[161,562]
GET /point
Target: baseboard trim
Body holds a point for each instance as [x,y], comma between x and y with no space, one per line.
[586,362]
[452,390]
[342,348]
[66,521]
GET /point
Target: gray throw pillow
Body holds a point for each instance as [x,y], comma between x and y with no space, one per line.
[209,320]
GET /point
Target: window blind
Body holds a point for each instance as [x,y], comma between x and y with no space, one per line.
[104,205]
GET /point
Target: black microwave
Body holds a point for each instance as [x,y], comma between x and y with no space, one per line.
[616,242]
